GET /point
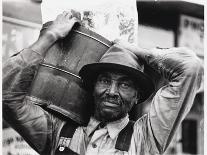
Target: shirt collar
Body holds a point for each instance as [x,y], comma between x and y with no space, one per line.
[113,127]
[92,125]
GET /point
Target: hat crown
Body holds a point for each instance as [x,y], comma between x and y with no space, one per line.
[121,56]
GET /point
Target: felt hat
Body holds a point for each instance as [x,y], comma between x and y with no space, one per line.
[122,60]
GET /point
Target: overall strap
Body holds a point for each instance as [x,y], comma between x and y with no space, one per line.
[124,138]
[66,135]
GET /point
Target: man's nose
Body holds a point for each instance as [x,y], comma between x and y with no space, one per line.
[113,89]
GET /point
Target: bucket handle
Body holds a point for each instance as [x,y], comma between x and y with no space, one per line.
[91,37]
[53,67]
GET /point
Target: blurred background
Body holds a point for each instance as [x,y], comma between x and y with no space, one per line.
[161,23]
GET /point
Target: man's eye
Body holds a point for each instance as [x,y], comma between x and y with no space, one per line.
[125,85]
[104,80]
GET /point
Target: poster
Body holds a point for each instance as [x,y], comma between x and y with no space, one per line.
[14,144]
[191,34]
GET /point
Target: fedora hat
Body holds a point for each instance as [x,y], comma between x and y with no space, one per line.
[122,60]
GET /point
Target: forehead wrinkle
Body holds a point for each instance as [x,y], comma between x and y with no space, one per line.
[118,75]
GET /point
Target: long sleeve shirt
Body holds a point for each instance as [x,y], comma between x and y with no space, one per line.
[152,132]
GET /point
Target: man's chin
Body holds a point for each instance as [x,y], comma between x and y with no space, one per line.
[107,115]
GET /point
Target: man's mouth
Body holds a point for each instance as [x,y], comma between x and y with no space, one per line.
[110,104]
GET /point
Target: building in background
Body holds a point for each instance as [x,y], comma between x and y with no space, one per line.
[161,23]
[177,23]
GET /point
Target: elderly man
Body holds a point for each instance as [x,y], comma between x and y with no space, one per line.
[117,83]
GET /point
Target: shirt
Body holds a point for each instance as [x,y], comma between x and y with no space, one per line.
[92,141]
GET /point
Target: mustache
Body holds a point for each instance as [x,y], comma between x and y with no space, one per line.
[111,99]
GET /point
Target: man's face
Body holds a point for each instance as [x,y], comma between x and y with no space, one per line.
[114,96]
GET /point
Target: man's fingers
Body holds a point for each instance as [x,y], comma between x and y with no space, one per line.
[69,15]
[59,16]
[76,14]
[64,13]
[75,20]
[117,41]
[64,23]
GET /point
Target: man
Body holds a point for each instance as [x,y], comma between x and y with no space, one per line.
[117,83]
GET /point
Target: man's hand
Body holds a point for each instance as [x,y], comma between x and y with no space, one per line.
[63,24]
[59,28]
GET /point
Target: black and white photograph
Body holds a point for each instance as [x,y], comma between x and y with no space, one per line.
[103,77]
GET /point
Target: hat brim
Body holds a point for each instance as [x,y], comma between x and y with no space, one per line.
[90,72]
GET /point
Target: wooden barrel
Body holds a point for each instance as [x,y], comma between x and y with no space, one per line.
[57,86]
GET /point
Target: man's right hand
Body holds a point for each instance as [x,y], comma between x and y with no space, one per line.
[59,28]
[62,25]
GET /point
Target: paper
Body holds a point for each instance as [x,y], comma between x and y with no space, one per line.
[117,19]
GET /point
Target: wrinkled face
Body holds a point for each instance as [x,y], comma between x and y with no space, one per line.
[114,96]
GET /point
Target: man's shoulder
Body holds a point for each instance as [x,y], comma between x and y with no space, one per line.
[142,121]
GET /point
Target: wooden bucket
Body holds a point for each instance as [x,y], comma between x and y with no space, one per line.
[57,86]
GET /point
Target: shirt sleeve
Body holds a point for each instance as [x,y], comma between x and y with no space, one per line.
[33,123]
[171,103]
